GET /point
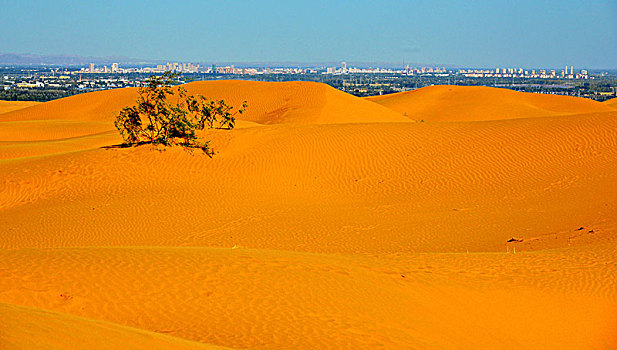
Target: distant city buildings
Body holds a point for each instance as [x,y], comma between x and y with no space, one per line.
[345,69]
[63,81]
[567,73]
[178,67]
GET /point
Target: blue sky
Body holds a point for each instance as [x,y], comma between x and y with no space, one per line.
[465,33]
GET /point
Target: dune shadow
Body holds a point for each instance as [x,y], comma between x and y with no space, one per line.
[121,145]
[127,145]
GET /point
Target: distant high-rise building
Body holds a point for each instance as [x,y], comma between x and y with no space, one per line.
[566,71]
[344,65]
[114,68]
[572,70]
[91,68]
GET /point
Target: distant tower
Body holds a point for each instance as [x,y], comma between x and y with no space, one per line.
[566,71]
[344,66]
[114,68]
[572,70]
[91,68]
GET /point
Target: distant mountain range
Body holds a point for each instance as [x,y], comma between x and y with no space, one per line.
[17,59]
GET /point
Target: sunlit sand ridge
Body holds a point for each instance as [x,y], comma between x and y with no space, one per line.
[474,103]
[9,106]
[324,221]
[611,103]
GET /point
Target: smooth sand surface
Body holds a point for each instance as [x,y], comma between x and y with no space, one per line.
[9,106]
[611,103]
[28,328]
[324,221]
[475,103]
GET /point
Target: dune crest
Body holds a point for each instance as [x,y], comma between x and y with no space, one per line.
[9,106]
[476,103]
[269,103]
[294,102]
[611,103]
[90,115]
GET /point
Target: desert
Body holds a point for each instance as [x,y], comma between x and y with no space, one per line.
[450,217]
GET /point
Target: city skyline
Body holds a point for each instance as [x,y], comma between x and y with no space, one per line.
[479,34]
[61,61]
[188,67]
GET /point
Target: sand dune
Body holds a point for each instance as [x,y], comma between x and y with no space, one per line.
[341,188]
[294,102]
[9,106]
[259,298]
[472,103]
[28,328]
[611,103]
[91,115]
[324,219]
[270,103]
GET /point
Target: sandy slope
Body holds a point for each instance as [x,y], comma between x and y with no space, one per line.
[269,103]
[611,103]
[28,328]
[85,121]
[327,188]
[353,227]
[294,102]
[468,103]
[257,298]
[9,106]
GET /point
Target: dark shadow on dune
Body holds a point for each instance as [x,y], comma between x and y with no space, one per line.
[122,145]
[127,145]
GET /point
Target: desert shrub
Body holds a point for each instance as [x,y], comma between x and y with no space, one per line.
[166,116]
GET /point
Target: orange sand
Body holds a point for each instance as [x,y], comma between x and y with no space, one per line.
[325,221]
[611,103]
[9,106]
[475,103]
[40,329]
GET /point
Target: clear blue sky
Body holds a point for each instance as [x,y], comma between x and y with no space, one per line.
[466,33]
